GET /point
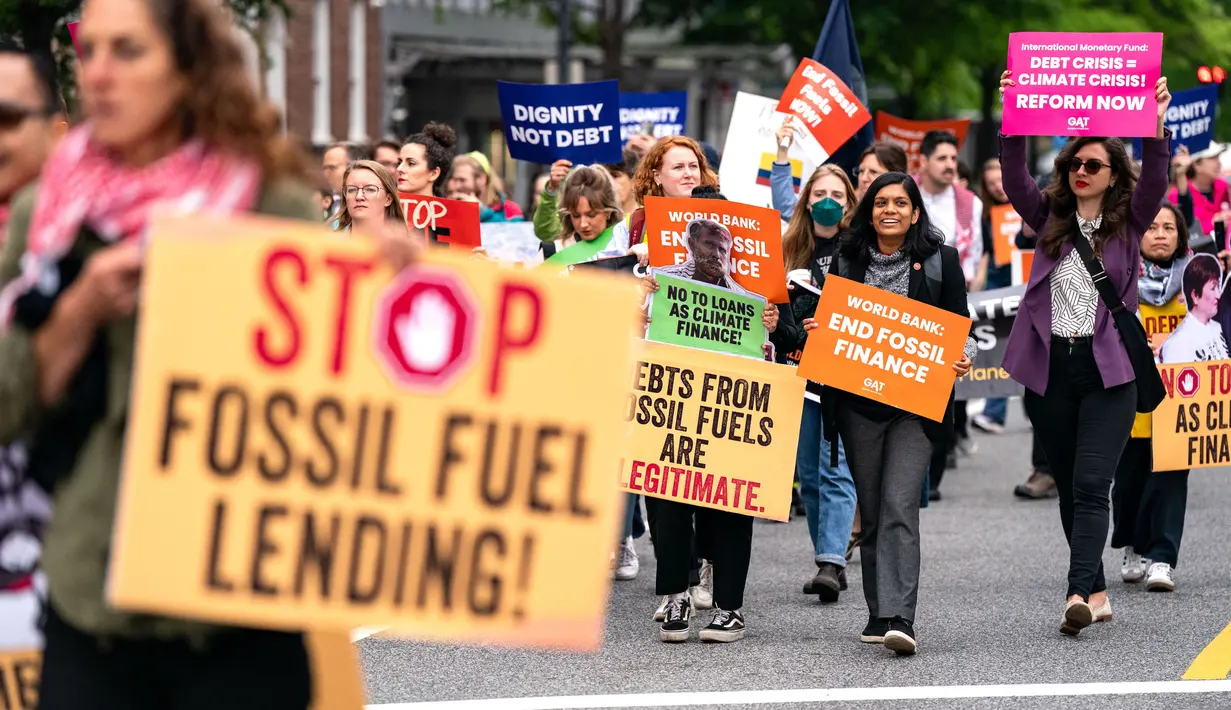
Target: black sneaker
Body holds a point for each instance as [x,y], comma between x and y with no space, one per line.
[675,620]
[875,631]
[826,584]
[901,637]
[726,627]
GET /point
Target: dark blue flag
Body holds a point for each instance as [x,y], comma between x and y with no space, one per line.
[838,50]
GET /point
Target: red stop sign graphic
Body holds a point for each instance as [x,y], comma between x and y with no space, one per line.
[425,328]
[1188,381]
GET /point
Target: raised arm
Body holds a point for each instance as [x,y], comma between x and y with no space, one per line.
[1155,159]
[1020,187]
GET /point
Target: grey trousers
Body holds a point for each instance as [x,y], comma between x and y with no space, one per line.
[889,462]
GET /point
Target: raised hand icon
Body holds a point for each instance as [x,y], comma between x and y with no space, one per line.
[425,335]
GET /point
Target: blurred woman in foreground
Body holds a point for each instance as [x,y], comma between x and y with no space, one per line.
[172,119]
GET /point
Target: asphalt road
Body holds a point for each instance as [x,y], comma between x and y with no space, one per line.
[992,590]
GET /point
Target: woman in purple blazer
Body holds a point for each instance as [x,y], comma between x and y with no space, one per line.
[1081,394]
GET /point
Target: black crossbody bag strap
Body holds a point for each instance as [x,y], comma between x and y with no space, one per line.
[1098,273]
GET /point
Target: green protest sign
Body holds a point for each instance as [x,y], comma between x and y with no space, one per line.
[697,315]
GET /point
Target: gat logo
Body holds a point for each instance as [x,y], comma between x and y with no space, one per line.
[873,385]
[1081,122]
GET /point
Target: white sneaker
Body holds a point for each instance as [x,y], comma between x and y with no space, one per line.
[967,446]
[661,612]
[629,565]
[703,593]
[1161,578]
[1133,569]
[984,423]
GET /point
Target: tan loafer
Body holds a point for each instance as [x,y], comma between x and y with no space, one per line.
[1077,616]
[1103,613]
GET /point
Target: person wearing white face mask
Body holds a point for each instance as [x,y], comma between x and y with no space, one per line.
[827,489]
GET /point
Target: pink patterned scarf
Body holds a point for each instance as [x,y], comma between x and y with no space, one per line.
[83,186]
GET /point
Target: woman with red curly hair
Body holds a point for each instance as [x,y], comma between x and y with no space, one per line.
[671,168]
[174,120]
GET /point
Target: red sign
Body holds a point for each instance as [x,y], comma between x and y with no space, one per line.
[909,134]
[1188,382]
[819,99]
[72,33]
[454,222]
[425,328]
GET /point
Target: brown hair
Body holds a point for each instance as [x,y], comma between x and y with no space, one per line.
[1117,199]
[797,241]
[988,201]
[890,155]
[643,181]
[592,182]
[387,180]
[222,107]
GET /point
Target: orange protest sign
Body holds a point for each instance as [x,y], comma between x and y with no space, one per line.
[885,347]
[713,430]
[909,133]
[1022,260]
[823,103]
[325,444]
[336,684]
[1006,223]
[1192,427]
[754,259]
[453,222]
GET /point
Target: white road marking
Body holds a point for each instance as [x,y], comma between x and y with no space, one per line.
[819,695]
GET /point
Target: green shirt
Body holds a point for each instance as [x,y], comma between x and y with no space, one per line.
[77,542]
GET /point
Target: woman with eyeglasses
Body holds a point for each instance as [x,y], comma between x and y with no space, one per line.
[173,121]
[371,201]
[877,159]
[1081,392]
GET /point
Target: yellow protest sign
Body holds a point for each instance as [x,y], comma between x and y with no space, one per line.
[336,684]
[314,442]
[713,430]
[20,672]
[1159,322]
[1192,425]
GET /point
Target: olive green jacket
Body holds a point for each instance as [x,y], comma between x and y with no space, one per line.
[77,542]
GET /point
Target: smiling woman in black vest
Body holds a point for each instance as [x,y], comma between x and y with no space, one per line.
[893,246]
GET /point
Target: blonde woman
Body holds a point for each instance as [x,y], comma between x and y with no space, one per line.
[589,213]
[371,198]
[472,175]
[826,204]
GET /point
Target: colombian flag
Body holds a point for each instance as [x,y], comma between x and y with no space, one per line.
[767,161]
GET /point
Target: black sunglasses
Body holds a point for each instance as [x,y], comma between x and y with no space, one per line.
[1092,166]
[13,116]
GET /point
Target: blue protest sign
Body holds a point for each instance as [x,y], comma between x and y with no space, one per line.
[548,122]
[667,110]
[1190,118]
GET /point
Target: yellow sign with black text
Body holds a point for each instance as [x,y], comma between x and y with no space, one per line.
[1159,323]
[713,430]
[316,442]
[1193,424]
[20,672]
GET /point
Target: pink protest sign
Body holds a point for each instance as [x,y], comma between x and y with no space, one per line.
[1083,83]
[72,32]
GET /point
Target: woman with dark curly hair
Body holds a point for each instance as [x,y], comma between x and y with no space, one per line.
[1081,392]
[174,120]
[425,159]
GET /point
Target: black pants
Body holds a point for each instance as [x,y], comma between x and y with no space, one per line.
[1083,428]
[701,543]
[1148,507]
[731,549]
[245,670]
[1038,460]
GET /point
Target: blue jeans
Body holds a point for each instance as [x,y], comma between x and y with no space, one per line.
[828,491]
[631,504]
[996,409]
